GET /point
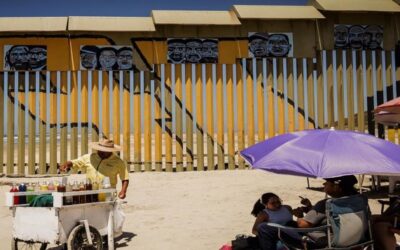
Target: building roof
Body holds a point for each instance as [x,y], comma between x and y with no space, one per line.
[180,17]
[140,24]
[357,5]
[34,24]
[276,12]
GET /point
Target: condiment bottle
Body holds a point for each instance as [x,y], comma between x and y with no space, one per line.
[30,188]
[75,188]
[62,188]
[51,186]
[82,198]
[107,185]
[95,186]
[43,186]
[101,196]
[68,199]
[88,186]
[14,188]
[22,188]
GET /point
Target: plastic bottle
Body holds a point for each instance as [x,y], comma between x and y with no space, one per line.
[14,188]
[51,186]
[43,186]
[107,185]
[95,186]
[68,199]
[30,188]
[75,188]
[101,196]
[22,188]
[88,186]
[82,198]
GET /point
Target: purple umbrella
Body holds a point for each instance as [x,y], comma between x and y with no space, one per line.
[325,153]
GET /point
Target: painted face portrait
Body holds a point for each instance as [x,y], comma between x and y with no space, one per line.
[125,59]
[176,50]
[38,58]
[341,34]
[278,45]
[209,52]
[258,45]
[18,58]
[356,37]
[89,57]
[107,59]
[193,50]
[373,37]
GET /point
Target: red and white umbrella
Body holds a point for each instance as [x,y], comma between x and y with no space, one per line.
[392,106]
[386,118]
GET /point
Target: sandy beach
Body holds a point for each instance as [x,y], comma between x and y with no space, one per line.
[192,210]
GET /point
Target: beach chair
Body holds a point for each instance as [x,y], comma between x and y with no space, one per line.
[348,226]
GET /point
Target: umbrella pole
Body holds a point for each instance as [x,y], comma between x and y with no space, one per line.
[308,183]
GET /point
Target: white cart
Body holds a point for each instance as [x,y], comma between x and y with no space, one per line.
[79,226]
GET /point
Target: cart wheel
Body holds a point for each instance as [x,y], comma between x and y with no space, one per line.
[77,239]
[20,245]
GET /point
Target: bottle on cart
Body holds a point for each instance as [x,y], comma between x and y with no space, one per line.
[30,188]
[75,188]
[88,187]
[51,186]
[22,188]
[82,198]
[68,199]
[95,186]
[44,186]
[14,188]
[101,196]
[61,187]
[107,185]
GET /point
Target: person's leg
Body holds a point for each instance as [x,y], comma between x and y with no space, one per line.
[384,239]
[267,236]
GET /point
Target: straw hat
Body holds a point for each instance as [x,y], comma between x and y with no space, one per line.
[105,145]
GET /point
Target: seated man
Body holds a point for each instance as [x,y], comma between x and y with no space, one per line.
[315,216]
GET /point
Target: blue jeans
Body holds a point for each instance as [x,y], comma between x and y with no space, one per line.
[267,236]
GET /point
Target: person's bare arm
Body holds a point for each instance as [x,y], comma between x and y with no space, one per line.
[66,166]
[302,223]
[124,188]
[261,217]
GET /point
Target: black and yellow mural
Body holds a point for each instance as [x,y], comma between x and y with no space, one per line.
[187,97]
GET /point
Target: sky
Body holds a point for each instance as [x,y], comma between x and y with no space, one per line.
[15,8]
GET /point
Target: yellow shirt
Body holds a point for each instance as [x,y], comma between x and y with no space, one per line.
[96,168]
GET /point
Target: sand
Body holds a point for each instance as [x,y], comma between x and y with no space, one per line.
[192,210]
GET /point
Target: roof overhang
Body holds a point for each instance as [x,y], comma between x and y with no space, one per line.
[276,12]
[179,17]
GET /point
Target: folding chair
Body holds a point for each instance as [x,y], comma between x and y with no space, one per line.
[348,226]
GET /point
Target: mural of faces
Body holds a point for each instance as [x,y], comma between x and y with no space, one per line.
[270,44]
[209,51]
[373,37]
[258,44]
[358,36]
[106,57]
[192,50]
[25,57]
[278,45]
[341,34]
[125,58]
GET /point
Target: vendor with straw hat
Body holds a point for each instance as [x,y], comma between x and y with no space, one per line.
[102,163]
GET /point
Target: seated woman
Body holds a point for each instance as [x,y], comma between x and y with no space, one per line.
[269,208]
